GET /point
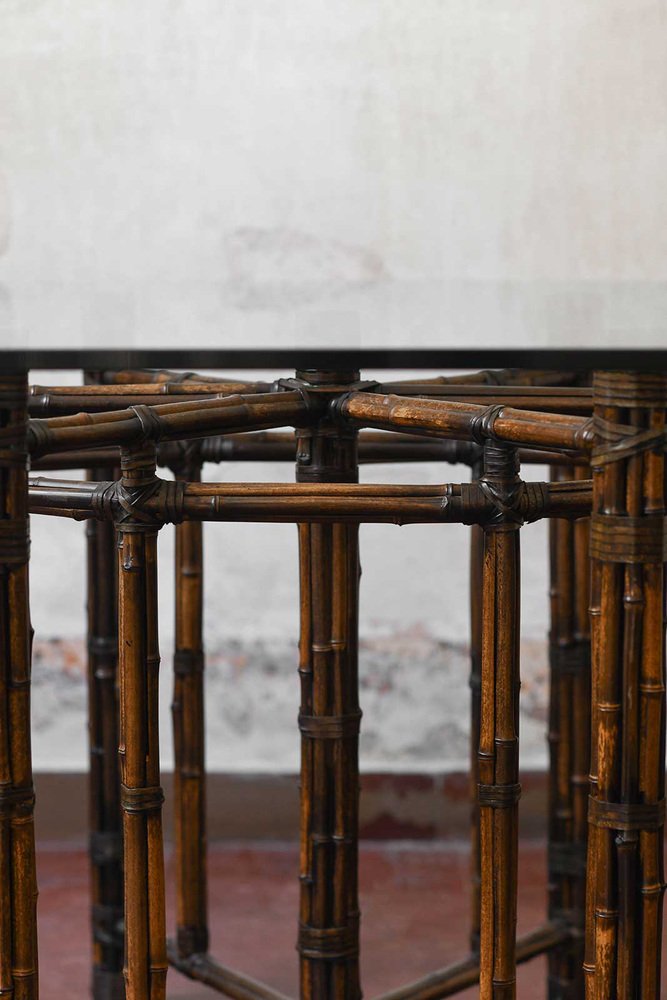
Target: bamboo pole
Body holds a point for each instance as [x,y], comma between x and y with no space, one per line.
[278,446]
[626,810]
[449,503]
[148,376]
[499,788]
[57,400]
[105,821]
[569,725]
[499,376]
[476,577]
[581,742]
[141,795]
[502,376]
[545,399]
[188,726]
[328,941]
[168,421]
[467,421]
[18,882]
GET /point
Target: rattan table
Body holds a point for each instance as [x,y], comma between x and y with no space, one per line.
[597,417]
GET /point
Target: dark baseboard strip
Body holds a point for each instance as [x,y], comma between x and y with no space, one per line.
[265,806]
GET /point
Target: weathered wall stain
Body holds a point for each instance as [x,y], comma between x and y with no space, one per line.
[414,695]
[282,268]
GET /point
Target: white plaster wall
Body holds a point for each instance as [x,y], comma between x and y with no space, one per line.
[368,172]
[299,171]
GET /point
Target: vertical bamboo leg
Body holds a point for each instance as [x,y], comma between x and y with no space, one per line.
[626,810]
[18,883]
[141,795]
[569,727]
[499,787]
[106,854]
[580,758]
[188,721]
[105,822]
[329,723]
[476,577]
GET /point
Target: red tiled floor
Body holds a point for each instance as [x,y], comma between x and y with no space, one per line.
[414,899]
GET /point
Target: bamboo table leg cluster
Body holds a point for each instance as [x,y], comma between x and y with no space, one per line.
[18,886]
[496,423]
[627,806]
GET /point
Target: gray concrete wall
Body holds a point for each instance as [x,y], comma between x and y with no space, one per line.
[365,172]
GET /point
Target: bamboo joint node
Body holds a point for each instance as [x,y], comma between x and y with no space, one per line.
[621,442]
[141,800]
[126,506]
[16,802]
[626,539]
[14,542]
[567,858]
[103,645]
[570,658]
[626,815]
[107,924]
[498,796]
[188,662]
[329,942]
[330,727]
[106,847]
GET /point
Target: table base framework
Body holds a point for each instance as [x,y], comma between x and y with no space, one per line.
[605,501]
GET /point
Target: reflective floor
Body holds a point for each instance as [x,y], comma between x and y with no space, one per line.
[414,901]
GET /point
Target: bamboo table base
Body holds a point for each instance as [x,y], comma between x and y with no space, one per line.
[608,548]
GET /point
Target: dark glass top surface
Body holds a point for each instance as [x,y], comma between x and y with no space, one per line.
[287,358]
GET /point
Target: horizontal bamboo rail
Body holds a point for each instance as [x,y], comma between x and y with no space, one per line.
[150,390]
[467,421]
[450,503]
[375,447]
[50,401]
[502,376]
[172,421]
[547,399]
[53,401]
[150,376]
[169,421]
[499,376]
